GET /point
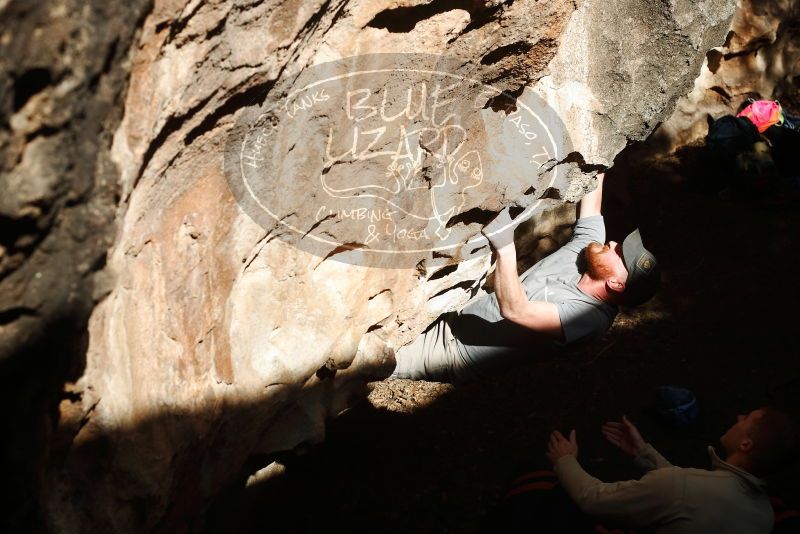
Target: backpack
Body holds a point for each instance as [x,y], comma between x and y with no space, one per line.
[737,155]
[790,122]
[728,136]
[763,113]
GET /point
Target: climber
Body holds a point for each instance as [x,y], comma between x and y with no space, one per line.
[729,498]
[550,306]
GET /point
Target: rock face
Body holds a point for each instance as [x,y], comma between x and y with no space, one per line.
[759,59]
[218,344]
[63,76]
[621,64]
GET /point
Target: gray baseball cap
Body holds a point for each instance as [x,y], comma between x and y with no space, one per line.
[644,273]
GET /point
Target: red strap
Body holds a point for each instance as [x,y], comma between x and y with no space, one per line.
[533,486]
[535,474]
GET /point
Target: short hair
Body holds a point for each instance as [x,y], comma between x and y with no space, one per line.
[775,440]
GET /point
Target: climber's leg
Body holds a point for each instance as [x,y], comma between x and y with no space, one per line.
[431,356]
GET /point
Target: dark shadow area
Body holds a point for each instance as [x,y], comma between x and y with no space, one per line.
[31,387]
[403,19]
[723,325]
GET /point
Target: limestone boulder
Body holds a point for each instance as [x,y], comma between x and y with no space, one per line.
[218,341]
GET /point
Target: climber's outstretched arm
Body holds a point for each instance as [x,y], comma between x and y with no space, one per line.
[511,297]
[591,203]
[514,305]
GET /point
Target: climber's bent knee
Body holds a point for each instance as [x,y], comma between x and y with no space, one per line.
[431,356]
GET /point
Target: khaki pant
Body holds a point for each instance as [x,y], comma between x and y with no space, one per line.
[432,356]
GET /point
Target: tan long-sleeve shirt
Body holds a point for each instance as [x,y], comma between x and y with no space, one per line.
[669,499]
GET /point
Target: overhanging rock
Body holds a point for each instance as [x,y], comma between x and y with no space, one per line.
[221,340]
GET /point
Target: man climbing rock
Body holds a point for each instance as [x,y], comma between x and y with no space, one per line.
[553,304]
[729,498]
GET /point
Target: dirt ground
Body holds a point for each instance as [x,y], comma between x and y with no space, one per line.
[424,457]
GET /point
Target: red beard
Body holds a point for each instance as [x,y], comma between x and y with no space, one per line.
[595,266]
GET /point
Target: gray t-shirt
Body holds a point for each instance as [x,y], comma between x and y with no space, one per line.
[484,339]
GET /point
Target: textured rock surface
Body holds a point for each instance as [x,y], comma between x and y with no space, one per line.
[620,65]
[760,59]
[63,75]
[219,345]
